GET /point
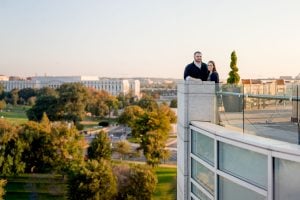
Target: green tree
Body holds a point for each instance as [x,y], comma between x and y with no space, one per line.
[148,103]
[130,114]
[164,108]
[142,183]
[154,148]
[44,104]
[234,77]
[126,99]
[122,172]
[25,94]
[13,96]
[51,147]
[46,91]
[152,129]
[123,148]
[2,191]
[2,104]
[101,103]
[135,182]
[72,101]
[11,149]
[96,102]
[151,121]
[112,104]
[173,103]
[93,181]
[100,147]
[68,146]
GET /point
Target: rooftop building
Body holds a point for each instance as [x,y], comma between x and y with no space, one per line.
[216,162]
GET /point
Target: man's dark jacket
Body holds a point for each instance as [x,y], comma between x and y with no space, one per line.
[193,71]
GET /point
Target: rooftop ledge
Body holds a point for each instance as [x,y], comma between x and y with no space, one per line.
[257,141]
[196,82]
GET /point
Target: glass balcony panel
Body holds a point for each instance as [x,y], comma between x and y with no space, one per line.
[203,176]
[203,147]
[198,193]
[232,191]
[244,164]
[286,179]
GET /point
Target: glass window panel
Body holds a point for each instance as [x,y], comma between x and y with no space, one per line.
[232,191]
[198,193]
[286,179]
[203,176]
[244,164]
[203,147]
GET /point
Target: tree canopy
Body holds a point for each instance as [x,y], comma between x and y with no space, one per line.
[134,182]
[68,103]
[25,94]
[130,114]
[11,149]
[92,181]
[51,147]
[72,101]
[100,147]
[151,126]
[44,104]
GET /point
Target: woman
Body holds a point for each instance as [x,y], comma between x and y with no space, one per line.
[213,74]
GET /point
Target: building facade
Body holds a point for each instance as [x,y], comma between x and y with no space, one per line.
[218,163]
[113,86]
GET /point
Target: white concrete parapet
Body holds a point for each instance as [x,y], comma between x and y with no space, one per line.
[196,101]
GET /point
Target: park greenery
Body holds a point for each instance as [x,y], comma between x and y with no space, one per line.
[150,124]
[50,141]
[44,147]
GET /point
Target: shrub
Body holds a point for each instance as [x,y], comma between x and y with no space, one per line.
[104,123]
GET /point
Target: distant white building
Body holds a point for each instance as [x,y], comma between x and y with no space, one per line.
[134,87]
[113,86]
[21,84]
[3,78]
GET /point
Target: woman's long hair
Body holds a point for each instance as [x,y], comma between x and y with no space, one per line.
[214,66]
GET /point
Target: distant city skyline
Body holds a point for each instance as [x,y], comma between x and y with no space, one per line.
[131,38]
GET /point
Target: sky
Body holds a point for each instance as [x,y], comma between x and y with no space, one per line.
[148,38]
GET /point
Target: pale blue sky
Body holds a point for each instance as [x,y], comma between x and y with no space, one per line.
[153,38]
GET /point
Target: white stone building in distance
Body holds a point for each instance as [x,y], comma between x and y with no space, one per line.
[114,86]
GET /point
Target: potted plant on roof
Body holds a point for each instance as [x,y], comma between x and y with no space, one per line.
[233,103]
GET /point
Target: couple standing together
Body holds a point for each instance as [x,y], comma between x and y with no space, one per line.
[199,70]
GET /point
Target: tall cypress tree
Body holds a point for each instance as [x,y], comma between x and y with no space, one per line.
[234,77]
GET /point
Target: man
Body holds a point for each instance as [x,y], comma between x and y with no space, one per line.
[197,69]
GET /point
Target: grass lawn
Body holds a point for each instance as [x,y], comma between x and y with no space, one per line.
[15,114]
[166,187]
[36,186]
